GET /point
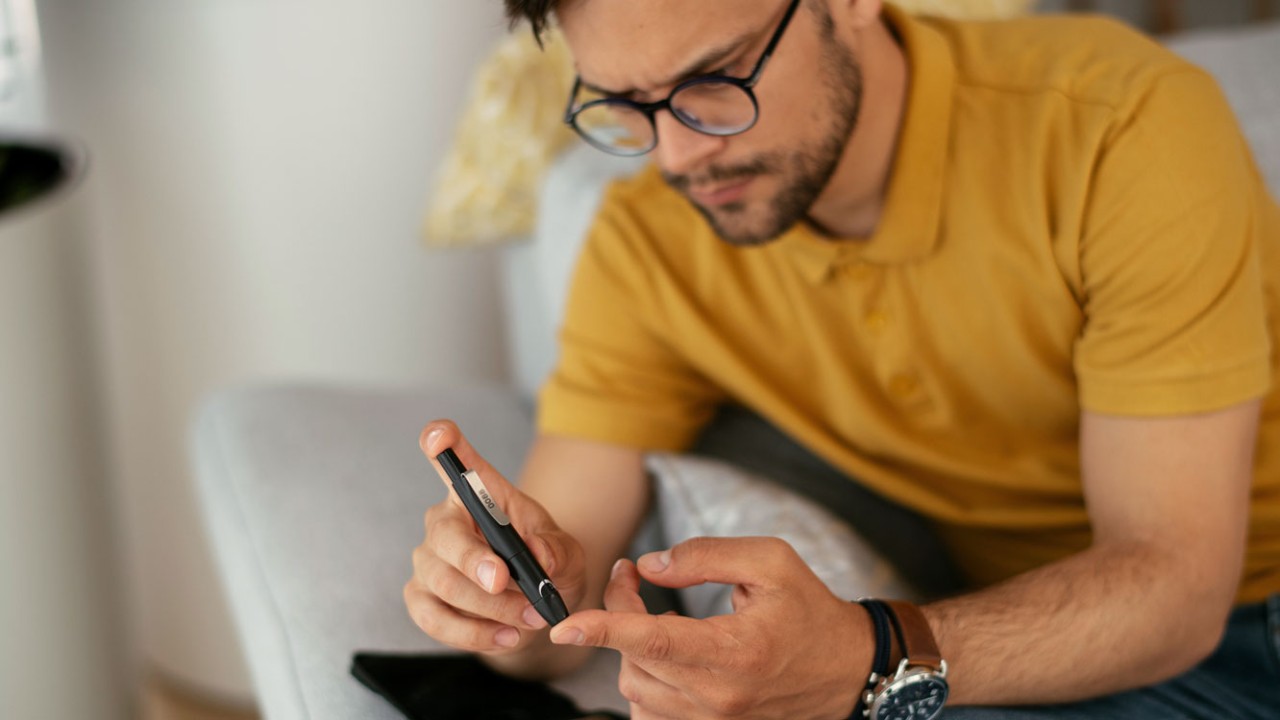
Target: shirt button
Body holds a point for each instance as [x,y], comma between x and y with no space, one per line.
[877,320]
[903,386]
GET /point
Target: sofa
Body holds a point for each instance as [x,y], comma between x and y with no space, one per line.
[313,496]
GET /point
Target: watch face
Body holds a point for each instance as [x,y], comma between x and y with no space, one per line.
[915,697]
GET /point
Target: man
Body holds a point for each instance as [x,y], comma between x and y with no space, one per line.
[1019,277]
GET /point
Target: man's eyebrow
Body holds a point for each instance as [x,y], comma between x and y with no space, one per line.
[708,62]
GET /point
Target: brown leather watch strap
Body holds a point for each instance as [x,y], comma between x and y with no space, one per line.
[921,648]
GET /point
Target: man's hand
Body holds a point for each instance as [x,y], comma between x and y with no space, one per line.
[461,592]
[791,649]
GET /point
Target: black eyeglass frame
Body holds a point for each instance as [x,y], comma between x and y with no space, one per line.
[650,110]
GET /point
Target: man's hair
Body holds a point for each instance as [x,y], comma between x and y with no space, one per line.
[537,12]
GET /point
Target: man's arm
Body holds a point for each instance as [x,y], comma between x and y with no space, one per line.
[1168,501]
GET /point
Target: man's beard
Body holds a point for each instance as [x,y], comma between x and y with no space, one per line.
[805,172]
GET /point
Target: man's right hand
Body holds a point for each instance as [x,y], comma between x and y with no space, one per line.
[461,592]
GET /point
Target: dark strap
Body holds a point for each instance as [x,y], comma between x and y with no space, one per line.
[884,644]
[880,661]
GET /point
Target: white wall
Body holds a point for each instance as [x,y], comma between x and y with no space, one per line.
[60,637]
[259,171]
[62,643]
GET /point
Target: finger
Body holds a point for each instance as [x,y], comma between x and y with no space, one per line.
[452,536]
[460,592]
[751,561]
[622,594]
[649,696]
[553,550]
[438,435]
[455,629]
[659,638]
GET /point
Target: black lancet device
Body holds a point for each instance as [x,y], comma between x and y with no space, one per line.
[505,541]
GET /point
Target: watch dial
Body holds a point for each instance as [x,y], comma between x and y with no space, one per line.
[918,700]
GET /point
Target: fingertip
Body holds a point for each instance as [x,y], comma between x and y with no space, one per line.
[655,562]
[502,580]
[432,440]
[624,572]
[532,618]
[567,635]
[507,637]
[486,574]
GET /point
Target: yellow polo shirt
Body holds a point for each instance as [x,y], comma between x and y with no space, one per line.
[1073,221]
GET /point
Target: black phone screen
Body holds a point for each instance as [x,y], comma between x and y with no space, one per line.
[460,687]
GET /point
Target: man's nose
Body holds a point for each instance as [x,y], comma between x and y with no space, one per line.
[680,147]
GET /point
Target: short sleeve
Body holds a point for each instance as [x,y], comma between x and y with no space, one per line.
[1169,260]
[617,378]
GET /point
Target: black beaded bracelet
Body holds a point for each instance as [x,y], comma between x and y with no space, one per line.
[897,630]
[880,661]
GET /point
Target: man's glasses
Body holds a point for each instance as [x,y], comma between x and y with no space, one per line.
[712,104]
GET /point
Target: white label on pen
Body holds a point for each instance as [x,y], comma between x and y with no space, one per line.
[486,499]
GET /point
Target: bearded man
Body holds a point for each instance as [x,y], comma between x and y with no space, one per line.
[1021,279]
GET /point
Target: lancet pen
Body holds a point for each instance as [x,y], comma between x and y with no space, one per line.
[505,541]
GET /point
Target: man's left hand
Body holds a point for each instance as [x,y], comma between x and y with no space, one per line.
[790,649]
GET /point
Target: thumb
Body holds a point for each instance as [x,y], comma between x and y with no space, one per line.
[750,561]
[563,560]
[549,549]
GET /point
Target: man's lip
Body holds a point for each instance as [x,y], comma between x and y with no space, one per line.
[721,194]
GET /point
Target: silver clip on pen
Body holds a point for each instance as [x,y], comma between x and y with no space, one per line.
[504,539]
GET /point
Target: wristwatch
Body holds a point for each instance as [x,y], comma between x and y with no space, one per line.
[918,690]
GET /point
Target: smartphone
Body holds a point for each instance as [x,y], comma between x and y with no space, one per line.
[460,687]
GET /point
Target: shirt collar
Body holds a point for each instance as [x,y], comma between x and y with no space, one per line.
[909,225]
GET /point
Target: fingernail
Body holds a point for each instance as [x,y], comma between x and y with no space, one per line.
[532,618]
[656,562]
[507,637]
[571,636]
[616,567]
[433,436]
[485,574]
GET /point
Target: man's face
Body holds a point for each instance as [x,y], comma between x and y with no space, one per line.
[754,186]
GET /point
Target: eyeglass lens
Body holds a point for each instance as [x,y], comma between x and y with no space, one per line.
[712,107]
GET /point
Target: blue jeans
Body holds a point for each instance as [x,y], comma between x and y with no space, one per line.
[1240,681]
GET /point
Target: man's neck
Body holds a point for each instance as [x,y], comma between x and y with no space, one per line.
[852,203]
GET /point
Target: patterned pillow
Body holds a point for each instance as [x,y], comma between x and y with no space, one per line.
[698,497]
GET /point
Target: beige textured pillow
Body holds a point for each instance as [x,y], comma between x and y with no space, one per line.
[487,188]
[700,497]
[512,127]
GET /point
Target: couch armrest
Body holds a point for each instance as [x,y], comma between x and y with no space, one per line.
[313,498]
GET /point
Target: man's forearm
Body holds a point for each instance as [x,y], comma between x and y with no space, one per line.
[1105,620]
